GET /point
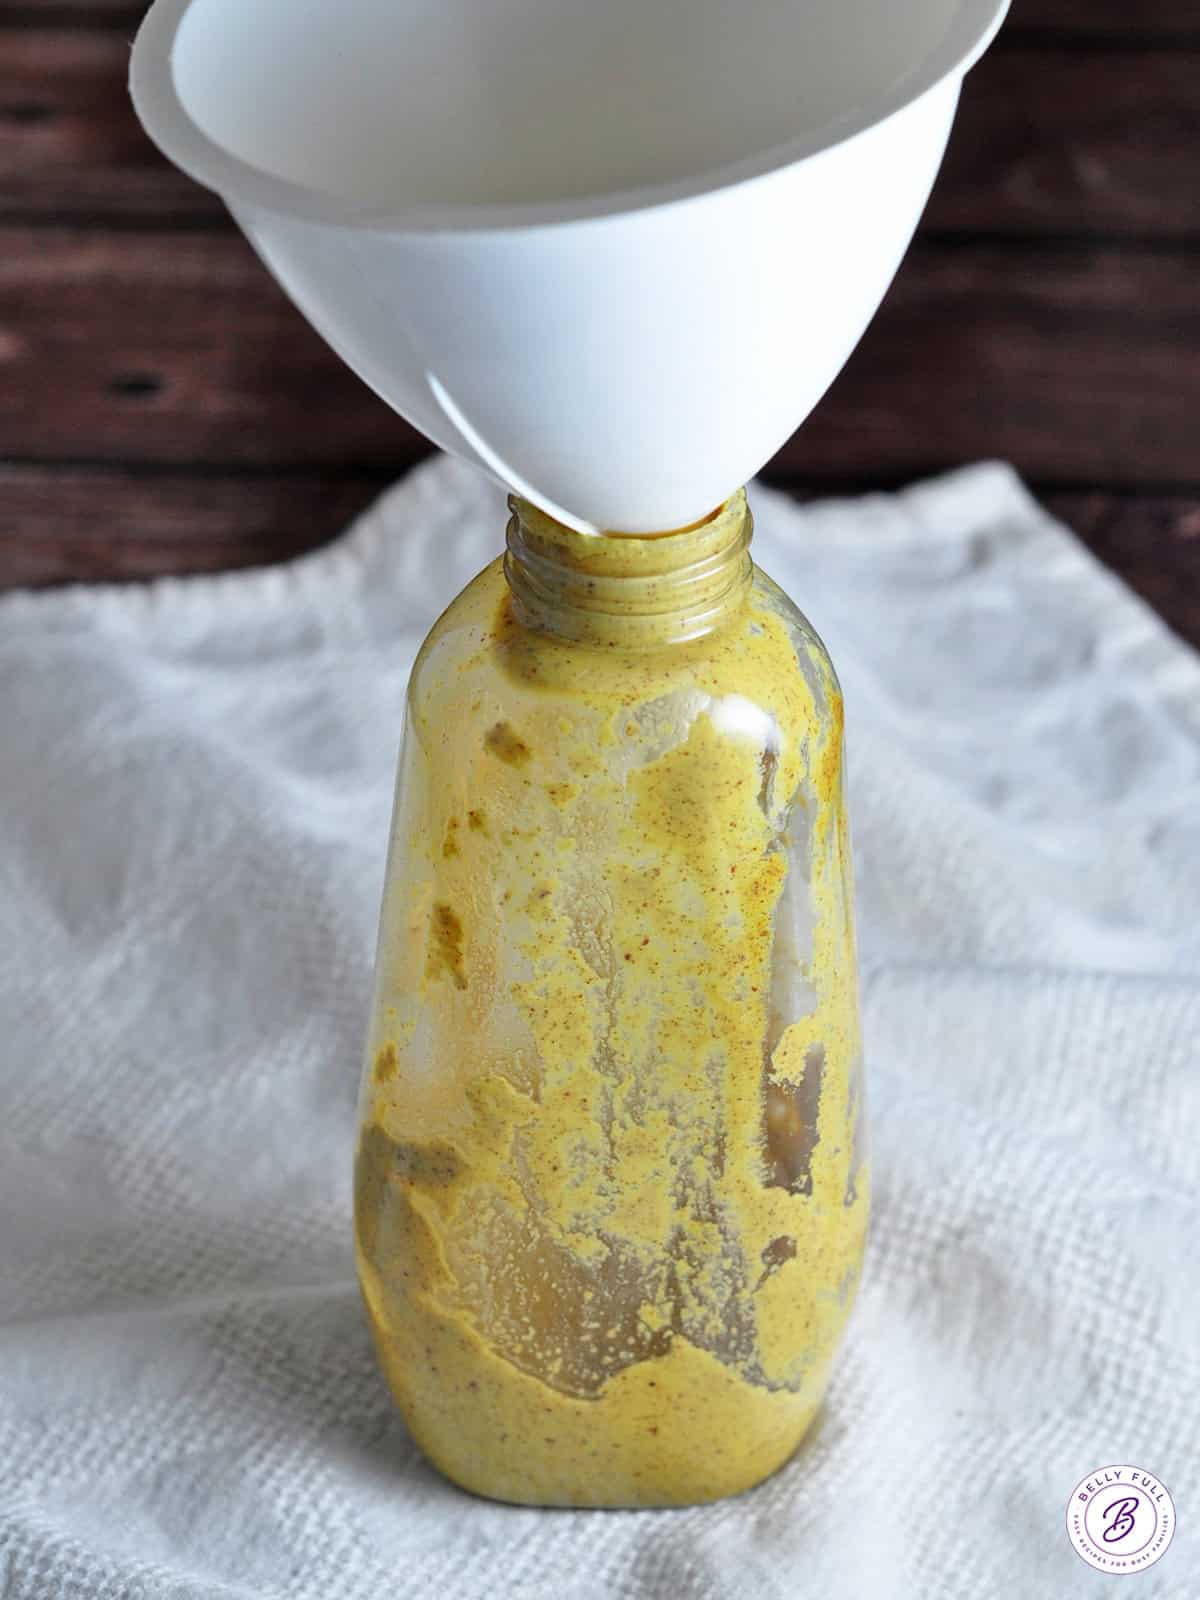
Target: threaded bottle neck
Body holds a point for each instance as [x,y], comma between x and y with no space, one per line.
[628,590]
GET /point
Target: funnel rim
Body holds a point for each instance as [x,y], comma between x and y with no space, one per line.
[182,140]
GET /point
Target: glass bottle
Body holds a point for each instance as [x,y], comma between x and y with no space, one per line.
[610,1198]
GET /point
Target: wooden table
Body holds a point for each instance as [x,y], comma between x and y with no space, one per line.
[164,409]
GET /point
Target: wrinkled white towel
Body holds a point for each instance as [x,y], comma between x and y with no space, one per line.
[196,781]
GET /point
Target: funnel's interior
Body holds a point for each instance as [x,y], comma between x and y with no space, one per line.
[398,103]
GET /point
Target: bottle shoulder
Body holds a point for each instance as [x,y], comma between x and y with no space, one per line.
[497,708]
[812,656]
[766,653]
[458,634]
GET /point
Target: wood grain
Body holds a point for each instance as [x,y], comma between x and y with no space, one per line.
[1078,364]
[69,140]
[147,347]
[124,15]
[1045,141]
[1116,19]
[1056,141]
[1152,542]
[1081,364]
[67,525]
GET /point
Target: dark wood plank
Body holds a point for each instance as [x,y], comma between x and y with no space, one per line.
[171,348]
[66,525]
[1115,19]
[1048,141]
[1080,365]
[1153,543]
[1045,141]
[121,15]
[69,141]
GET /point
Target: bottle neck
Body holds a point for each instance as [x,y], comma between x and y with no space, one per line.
[628,590]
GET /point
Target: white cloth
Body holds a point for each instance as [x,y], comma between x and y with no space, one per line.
[196,781]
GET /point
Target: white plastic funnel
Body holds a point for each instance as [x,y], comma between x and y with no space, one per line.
[612,250]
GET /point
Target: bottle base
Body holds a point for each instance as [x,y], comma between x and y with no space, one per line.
[676,1430]
[698,1489]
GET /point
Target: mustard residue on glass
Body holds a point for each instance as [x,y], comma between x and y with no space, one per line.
[610,1190]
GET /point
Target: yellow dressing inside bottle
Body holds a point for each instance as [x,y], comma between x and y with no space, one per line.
[610,1194]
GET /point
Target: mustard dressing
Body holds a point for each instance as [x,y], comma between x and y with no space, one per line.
[610,1192]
